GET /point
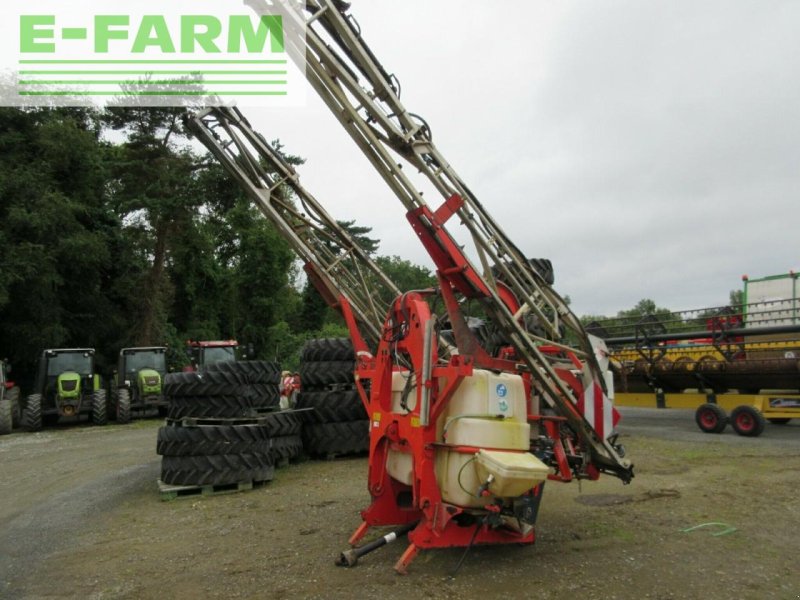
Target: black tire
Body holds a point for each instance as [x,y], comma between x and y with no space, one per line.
[219,469]
[214,407]
[255,371]
[99,408]
[123,406]
[286,447]
[213,439]
[710,418]
[327,349]
[6,417]
[331,406]
[265,395]
[16,413]
[325,439]
[747,421]
[332,372]
[280,424]
[32,415]
[207,383]
[781,421]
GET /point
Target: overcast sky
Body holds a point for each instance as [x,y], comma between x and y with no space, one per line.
[649,149]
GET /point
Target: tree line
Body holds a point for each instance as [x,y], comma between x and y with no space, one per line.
[116,231]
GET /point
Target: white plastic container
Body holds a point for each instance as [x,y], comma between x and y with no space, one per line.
[513,473]
[488,410]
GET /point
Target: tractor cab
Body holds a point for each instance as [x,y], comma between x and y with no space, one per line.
[203,354]
[66,386]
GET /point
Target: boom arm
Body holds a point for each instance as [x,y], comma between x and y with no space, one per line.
[337,266]
[366,100]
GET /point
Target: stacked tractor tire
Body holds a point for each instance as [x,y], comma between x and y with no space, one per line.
[335,422]
[224,427]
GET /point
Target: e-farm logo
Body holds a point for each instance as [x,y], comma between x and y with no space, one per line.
[145,57]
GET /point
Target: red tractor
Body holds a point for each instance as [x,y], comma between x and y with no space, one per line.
[203,354]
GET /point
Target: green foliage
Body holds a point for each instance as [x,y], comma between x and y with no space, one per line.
[736,299]
[116,232]
[405,274]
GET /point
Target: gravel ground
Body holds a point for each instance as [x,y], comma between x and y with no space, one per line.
[81,517]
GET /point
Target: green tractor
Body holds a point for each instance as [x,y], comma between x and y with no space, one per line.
[66,386]
[9,400]
[138,382]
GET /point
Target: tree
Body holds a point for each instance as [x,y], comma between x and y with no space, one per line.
[151,191]
[57,234]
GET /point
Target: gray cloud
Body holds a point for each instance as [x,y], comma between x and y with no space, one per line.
[649,149]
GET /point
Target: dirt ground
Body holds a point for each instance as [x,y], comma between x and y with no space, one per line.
[81,517]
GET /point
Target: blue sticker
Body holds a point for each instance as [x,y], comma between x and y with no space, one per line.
[503,405]
[502,390]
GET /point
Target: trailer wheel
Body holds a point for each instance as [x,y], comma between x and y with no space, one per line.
[747,421]
[710,418]
[781,421]
[32,415]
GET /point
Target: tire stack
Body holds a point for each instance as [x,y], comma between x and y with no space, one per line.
[337,423]
[220,429]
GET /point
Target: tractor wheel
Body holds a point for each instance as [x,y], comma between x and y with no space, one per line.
[99,410]
[32,415]
[219,469]
[265,395]
[329,372]
[16,413]
[6,416]
[286,447]
[331,406]
[335,439]
[781,421]
[234,406]
[710,418]
[123,406]
[283,423]
[255,371]
[207,383]
[327,349]
[747,421]
[209,440]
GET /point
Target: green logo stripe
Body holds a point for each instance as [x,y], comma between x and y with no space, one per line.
[157,93]
[137,82]
[192,72]
[152,62]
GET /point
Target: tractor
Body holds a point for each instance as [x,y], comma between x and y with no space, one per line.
[203,354]
[9,400]
[67,385]
[137,383]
